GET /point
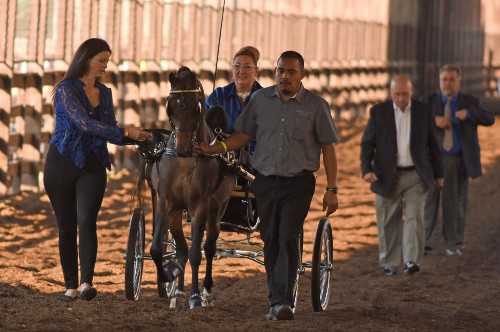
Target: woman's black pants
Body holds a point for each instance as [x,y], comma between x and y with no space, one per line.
[76,196]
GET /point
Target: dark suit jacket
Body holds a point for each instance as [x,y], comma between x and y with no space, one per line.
[468,128]
[379,146]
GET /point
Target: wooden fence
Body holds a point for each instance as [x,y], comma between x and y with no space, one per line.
[351,48]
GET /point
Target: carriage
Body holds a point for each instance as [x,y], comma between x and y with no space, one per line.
[237,215]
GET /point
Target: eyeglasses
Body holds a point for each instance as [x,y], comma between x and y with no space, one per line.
[238,67]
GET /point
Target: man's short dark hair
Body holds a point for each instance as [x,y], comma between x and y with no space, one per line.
[450,68]
[293,55]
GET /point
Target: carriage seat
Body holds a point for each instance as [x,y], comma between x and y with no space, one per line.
[240,214]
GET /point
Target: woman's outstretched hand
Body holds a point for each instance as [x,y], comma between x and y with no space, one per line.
[138,134]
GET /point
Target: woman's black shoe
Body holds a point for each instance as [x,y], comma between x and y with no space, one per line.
[66,298]
[88,294]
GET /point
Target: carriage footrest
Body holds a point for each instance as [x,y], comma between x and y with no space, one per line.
[239,245]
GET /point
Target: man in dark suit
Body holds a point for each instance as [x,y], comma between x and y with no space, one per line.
[400,157]
[457,116]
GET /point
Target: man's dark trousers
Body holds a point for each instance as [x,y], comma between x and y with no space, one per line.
[282,206]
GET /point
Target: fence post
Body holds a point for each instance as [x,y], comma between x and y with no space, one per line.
[16,134]
[30,162]
[5,87]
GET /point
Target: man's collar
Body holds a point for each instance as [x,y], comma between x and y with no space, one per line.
[407,108]
[444,98]
[299,95]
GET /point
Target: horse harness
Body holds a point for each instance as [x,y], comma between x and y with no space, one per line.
[170,149]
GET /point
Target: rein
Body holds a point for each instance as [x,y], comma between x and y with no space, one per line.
[185,91]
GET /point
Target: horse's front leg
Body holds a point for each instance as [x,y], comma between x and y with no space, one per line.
[197,230]
[159,231]
[167,270]
[181,247]
[210,247]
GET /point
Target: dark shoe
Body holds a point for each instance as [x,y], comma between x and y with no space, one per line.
[411,268]
[427,250]
[389,272]
[270,315]
[283,312]
[280,312]
[88,294]
[66,298]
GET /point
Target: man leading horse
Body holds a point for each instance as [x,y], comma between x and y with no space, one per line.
[292,127]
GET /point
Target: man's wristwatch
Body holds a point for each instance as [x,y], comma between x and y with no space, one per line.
[334,190]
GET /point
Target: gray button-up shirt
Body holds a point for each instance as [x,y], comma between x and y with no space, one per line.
[289,135]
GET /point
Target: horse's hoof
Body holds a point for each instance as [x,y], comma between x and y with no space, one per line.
[173,303]
[179,293]
[195,301]
[177,301]
[171,270]
[207,298]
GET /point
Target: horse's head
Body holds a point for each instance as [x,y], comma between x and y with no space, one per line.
[185,110]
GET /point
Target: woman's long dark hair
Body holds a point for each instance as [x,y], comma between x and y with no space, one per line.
[80,63]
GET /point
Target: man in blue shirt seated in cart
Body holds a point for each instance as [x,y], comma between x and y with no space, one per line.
[292,127]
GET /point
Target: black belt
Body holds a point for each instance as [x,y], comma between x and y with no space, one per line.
[283,178]
[406,168]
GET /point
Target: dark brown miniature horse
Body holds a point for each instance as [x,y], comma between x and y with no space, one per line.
[199,184]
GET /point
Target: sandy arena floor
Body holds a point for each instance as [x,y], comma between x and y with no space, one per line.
[449,294]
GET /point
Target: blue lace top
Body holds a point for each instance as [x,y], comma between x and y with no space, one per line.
[78,130]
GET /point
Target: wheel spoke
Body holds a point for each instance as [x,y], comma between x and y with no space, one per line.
[135,255]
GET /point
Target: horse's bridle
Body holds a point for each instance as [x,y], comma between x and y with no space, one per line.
[182,106]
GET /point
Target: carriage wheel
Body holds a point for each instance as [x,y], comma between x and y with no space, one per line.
[252,217]
[322,265]
[167,289]
[135,255]
[300,270]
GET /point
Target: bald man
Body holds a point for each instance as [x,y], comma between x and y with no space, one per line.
[401,160]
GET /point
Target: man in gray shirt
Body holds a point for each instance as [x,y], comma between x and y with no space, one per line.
[292,126]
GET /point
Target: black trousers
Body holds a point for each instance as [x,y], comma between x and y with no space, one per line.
[454,204]
[282,205]
[76,196]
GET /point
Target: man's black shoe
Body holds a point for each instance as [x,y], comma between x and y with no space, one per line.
[411,267]
[280,312]
[389,272]
[284,312]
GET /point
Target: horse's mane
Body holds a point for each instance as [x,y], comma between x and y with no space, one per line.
[182,69]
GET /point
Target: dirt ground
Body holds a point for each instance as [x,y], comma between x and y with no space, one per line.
[449,294]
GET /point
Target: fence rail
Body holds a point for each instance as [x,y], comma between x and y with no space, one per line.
[352,48]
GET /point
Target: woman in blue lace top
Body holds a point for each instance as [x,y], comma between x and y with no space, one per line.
[75,167]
